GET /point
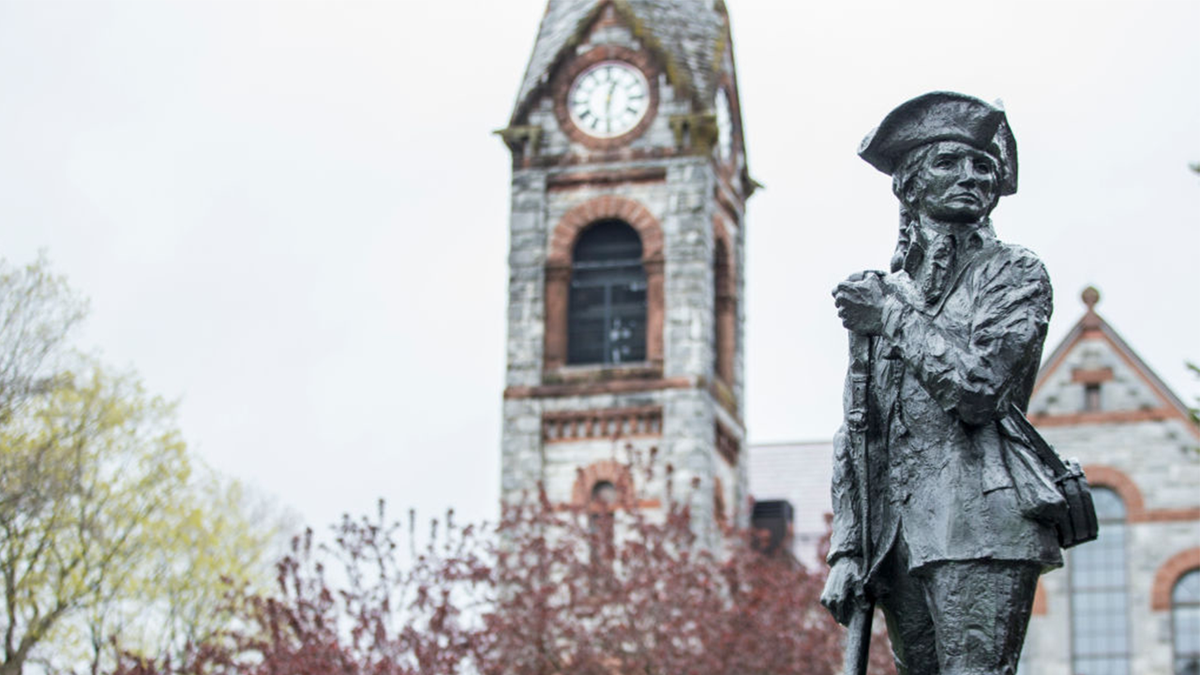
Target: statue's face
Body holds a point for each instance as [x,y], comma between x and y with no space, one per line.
[956,183]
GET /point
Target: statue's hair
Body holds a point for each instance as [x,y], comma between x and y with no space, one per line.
[907,170]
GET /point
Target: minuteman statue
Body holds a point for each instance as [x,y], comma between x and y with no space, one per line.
[947,504]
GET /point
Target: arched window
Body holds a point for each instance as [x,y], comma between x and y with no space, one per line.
[604,494]
[1185,623]
[606,310]
[724,313]
[1099,594]
[601,507]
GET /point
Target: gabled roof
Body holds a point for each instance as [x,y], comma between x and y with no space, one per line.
[687,36]
[1148,396]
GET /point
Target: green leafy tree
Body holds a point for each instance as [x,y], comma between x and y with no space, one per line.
[109,531]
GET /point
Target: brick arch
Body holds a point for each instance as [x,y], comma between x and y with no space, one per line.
[721,237]
[605,470]
[1119,482]
[604,207]
[1169,574]
[558,271]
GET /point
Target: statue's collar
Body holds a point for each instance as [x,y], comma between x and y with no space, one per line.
[970,236]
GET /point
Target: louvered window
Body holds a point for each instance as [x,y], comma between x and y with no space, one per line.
[606,321]
[724,320]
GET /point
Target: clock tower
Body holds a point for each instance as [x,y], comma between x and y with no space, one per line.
[629,184]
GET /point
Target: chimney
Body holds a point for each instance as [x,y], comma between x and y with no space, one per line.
[772,520]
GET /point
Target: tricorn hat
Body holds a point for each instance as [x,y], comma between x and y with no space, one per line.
[943,116]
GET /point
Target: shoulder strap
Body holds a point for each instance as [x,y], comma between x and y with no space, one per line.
[1039,444]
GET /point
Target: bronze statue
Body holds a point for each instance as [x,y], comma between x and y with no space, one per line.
[947,504]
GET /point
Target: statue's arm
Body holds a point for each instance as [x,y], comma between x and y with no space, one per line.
[975,370]
[846,537]
[843,590]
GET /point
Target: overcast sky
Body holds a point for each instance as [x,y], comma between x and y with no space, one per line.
[292,216]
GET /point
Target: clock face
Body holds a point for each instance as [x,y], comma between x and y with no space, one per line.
[724,126]
[608,99]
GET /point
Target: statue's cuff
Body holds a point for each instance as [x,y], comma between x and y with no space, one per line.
[835,556]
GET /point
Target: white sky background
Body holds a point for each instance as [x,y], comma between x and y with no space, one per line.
[293,216]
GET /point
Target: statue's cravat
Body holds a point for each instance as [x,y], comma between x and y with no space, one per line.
[930,262]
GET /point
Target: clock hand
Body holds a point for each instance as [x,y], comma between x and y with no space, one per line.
[608,105]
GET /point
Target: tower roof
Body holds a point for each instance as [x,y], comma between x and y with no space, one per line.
[687,36]
[1091,353]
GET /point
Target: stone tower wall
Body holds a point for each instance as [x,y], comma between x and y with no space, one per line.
[686,193]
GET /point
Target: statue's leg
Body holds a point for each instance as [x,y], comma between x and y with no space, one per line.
[980,611]
[909,623]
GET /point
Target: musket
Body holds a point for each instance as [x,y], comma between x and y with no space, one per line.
[858,635]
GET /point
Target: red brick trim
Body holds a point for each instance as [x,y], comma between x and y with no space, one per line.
[1041,605]
[605,470]
[608,18]
[558,271]
[544,161]
[1092,375]
[1169,516]
[1122,484]
[1131,495]
[610,387]
[628,176]
[1105,417]
[562,241]
[581,375]
[566,76]
[1169,574]
[721,239]
[590,425]
[637,504]
[727,205]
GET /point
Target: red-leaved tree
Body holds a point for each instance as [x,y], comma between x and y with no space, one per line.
[549,590]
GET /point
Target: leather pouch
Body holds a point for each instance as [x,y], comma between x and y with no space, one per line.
[1073,514]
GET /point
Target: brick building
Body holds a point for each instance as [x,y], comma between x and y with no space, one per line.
[1129,603]
[629,184]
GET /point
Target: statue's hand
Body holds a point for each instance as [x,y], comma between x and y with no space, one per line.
[843,589]
[859,301]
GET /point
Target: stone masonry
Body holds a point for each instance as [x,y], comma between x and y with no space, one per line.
[670,172]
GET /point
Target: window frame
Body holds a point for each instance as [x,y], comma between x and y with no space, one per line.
[1175,606]
[557,290]
[1074,592]
[608,276]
